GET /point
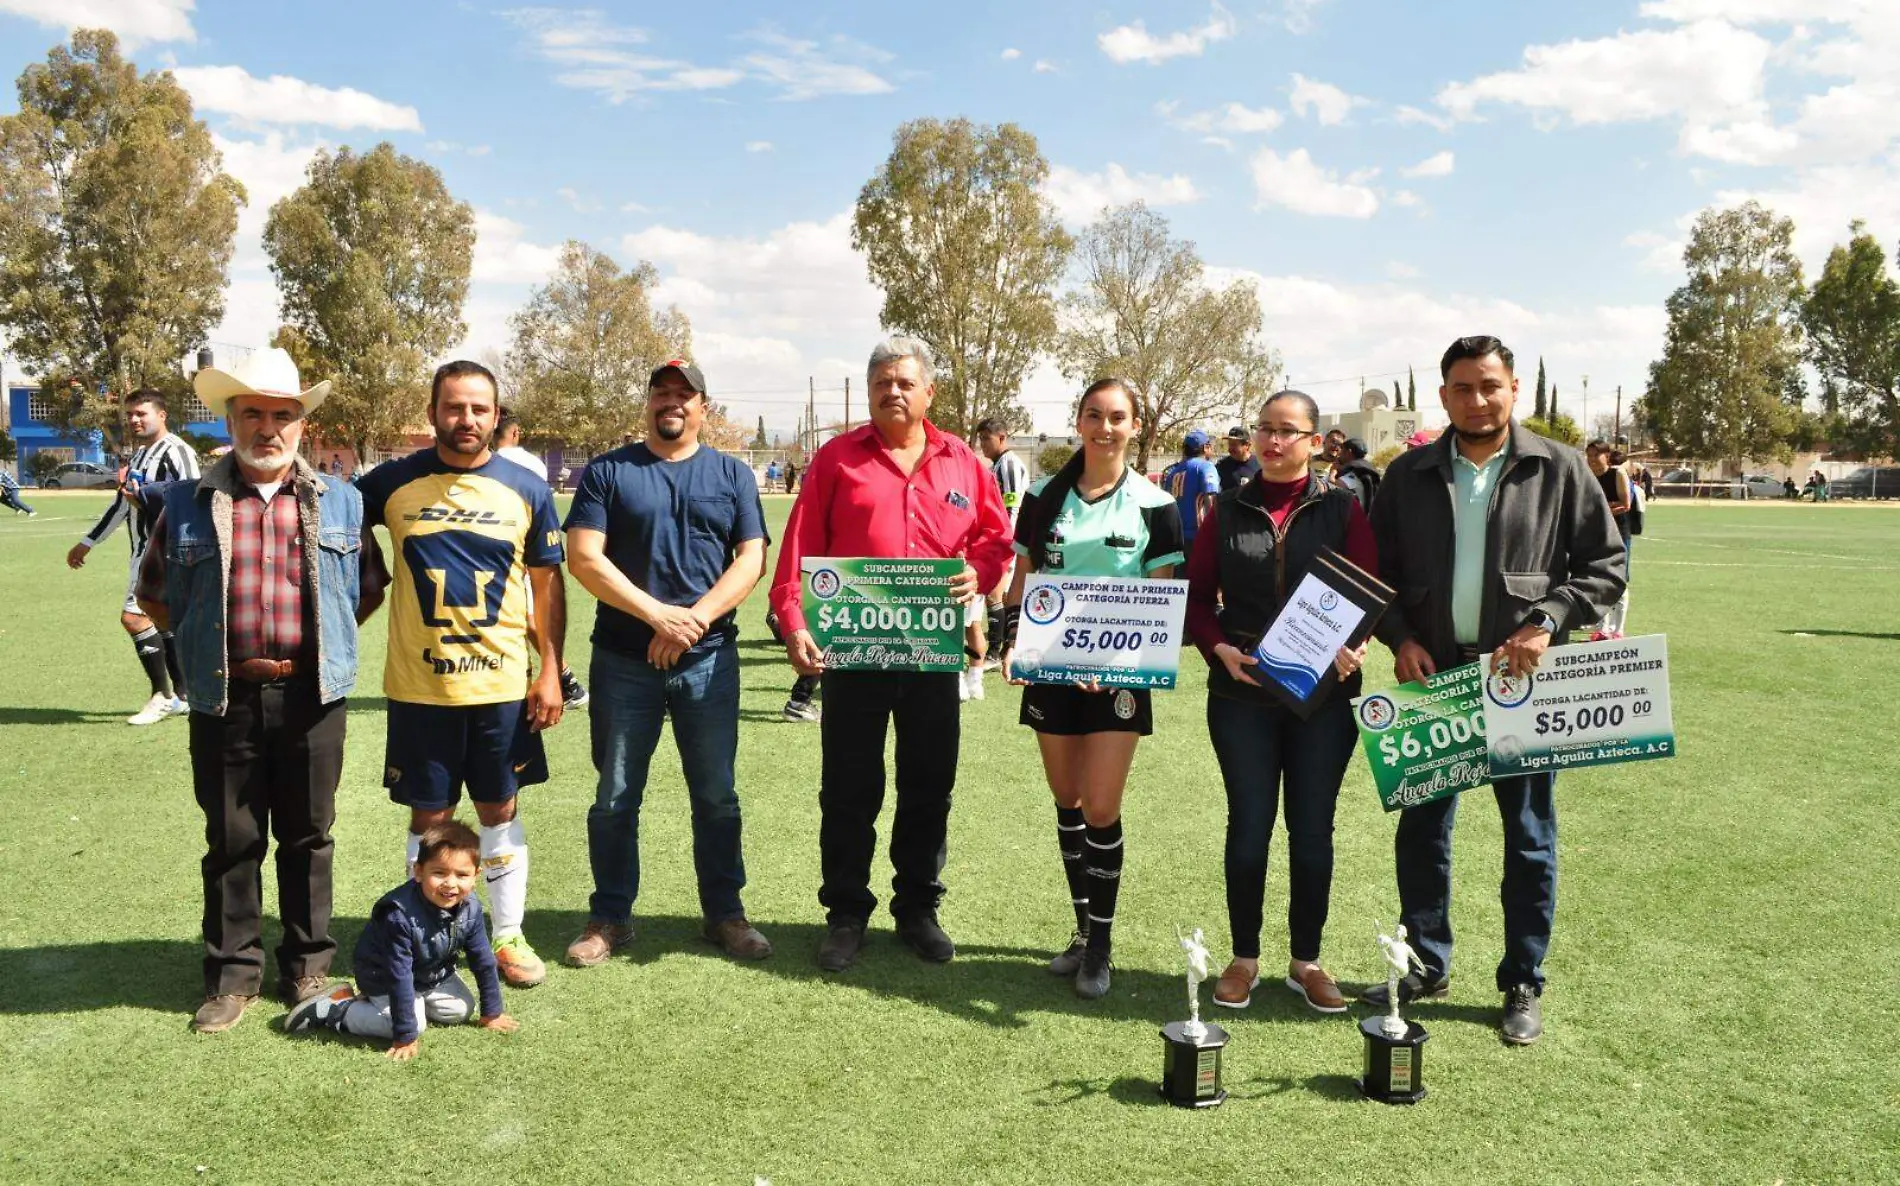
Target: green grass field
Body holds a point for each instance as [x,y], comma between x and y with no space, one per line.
[1722,1006]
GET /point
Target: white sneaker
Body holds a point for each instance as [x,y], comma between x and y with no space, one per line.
[156,709]
[179,707]
[974,677]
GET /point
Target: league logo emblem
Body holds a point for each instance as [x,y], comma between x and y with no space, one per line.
[1328,601]
[1377,713]
[1507,690]
[1044,605]
[825,584]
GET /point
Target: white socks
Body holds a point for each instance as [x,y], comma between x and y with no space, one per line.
[1619,614]
[412,850]
[505,867]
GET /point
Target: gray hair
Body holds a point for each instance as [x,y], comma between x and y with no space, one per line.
[897,350]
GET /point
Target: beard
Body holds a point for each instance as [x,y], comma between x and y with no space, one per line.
[249,455]
[669,430]
[448,440]
[1489,434]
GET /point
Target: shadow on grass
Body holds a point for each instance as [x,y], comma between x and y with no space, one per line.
[1842,634]
[60,716]
[987,984]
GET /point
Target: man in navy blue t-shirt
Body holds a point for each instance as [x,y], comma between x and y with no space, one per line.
[668,534]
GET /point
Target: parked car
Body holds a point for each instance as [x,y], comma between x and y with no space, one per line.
[1763,486]
[81,475]
[1869,481]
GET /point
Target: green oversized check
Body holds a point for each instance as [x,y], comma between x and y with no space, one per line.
[876,614]
[1425,741]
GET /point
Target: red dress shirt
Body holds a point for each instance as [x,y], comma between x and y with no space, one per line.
[854,501]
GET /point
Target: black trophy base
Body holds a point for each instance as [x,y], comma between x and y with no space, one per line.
[1395,1067]
[1190,1069]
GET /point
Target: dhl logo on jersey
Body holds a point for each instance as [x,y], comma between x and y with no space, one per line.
[459,517]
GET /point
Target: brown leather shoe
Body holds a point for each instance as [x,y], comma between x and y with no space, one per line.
[738,939]
[221,1012]
[597,941]
[1235,987]
[296,992]
[1319,988]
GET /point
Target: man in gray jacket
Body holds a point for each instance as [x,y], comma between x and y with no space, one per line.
[1497,543]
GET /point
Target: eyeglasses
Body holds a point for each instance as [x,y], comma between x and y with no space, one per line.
[1282,435]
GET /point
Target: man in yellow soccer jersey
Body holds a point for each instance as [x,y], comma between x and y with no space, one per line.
[471,533]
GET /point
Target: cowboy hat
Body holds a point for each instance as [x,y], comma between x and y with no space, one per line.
[263,372]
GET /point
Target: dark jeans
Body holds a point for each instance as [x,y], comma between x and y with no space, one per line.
[859,708]
[1528,892]
[631,697]
[11,497]
[271,761]
[1262,748]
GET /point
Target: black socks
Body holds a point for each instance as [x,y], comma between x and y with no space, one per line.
[150,646]
[1103,857]
[1069,830]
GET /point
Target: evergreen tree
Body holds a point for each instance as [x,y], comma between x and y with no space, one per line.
[1541,406]
[1549,411]
[1411,390]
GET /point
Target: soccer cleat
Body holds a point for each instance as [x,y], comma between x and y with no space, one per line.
[156,709]
[1069,958]
[572,694]
[518,963]
[801,710]
[1091,979]
[325,1009]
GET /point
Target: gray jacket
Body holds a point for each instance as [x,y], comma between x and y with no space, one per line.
[1550,545]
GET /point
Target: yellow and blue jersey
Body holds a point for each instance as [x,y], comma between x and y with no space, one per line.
[464,540]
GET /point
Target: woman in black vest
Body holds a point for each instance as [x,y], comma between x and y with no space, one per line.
[1255,545]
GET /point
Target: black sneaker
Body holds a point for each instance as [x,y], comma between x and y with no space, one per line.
[1070,959]
[922,935]
[801,710]
[1412,988]
[1091,978]
[324,1010]
[572,694]
[840,947]
[1523,1015]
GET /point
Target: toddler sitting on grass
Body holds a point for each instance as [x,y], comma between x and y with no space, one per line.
[405,957]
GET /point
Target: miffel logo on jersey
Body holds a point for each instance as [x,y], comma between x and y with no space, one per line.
[452,515]
[459,666]
[460,579]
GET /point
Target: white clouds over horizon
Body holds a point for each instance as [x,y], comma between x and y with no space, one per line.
[1439,164]
[1079,198]
[136,22]
[280,99]
[1133,43]
[1296,183]
[1322,101]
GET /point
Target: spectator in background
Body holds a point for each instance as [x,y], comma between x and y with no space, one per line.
[771,474]
[1239,464]
[1788,489]
[791,477]
[10,495]
[1352,471]
[1193,483]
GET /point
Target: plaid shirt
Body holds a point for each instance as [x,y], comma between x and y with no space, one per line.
[265,605]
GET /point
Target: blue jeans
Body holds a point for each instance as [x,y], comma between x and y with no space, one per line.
[630,699]
[1263,748]
[1528,892]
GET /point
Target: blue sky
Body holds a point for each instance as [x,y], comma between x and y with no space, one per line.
[1390,174]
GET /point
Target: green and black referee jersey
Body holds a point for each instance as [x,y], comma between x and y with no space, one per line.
[1128,532]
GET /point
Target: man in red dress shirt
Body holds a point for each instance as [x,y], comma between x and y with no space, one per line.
[895,487]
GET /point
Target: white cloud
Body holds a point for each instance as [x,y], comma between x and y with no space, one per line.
[592,53]
[1312,99]
[579,202]
[1297,15]
[1705,71]
[1232,117]
[1080,197]
[770,311]
[280,99]
[1412,115]
[1011,54]
[447,146]
[1439,164]
[1660,252]
[1399,270]
[137,22]
[270,169]
[1133,43]
[635,208]
[758,146]
[1299,185]
[1045,66]
[806,70]
[504,256]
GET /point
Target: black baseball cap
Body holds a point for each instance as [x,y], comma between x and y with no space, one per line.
[1237,433]
[687,371]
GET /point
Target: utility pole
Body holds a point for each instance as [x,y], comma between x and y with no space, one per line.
[1616,429]
[847,403]
[1585,422]
[811,411]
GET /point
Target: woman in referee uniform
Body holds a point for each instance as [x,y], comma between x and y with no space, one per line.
[1095,517]
[1255,545]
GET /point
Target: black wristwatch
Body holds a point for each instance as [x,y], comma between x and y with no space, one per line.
[1544,622]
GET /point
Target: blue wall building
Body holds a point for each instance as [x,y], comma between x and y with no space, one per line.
[30,420]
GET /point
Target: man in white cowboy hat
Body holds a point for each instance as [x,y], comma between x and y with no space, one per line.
[262,570]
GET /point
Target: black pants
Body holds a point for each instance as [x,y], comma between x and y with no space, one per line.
[859,707]
[271,761]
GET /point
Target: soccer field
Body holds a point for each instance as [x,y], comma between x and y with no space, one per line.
[1722,978]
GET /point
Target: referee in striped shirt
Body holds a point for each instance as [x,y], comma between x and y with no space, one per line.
[161,457]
